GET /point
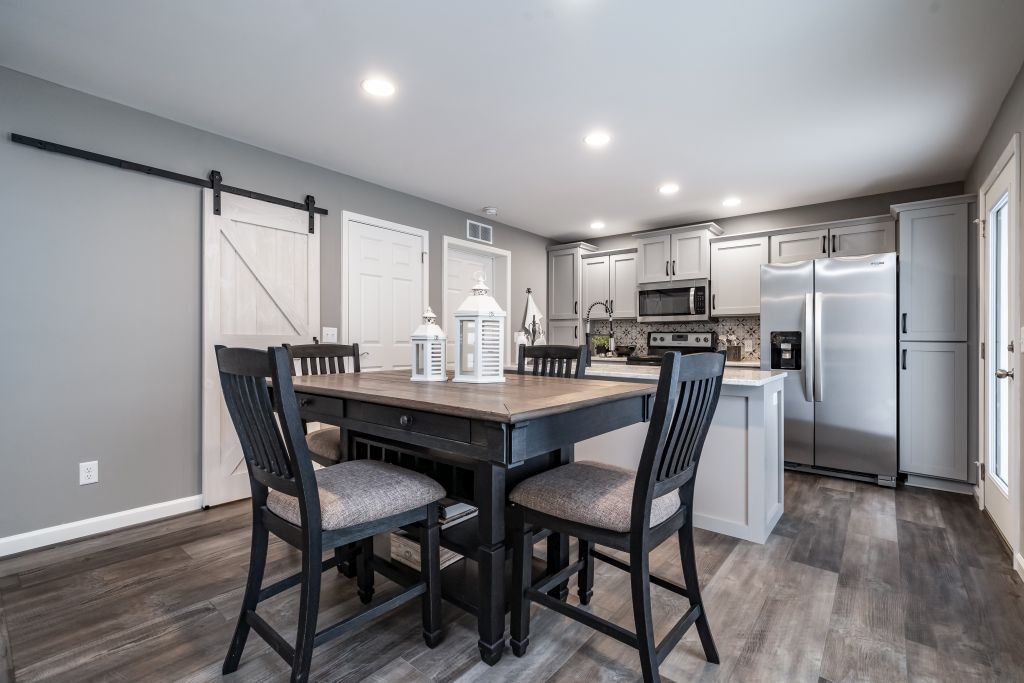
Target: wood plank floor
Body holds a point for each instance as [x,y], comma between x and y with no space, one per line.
[859,583]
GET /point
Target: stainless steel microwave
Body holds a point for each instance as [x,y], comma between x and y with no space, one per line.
[680,301]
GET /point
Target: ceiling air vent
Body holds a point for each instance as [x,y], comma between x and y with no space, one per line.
[478,232]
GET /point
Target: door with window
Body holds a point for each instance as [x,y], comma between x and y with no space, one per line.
[464,267]
[1000,333]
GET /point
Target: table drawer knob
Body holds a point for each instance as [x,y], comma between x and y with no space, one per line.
[405,420]
[304,402]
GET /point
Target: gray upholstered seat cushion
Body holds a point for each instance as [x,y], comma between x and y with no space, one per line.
[361,491]
[589,493]
[325,443]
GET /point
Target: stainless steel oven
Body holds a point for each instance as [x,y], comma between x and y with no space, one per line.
[679,301]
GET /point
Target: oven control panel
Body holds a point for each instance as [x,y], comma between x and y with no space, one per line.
[684,340]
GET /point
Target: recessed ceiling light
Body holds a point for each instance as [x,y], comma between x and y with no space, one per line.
[597,138]
[378,87]
[668,188]
[731,201]
[597,225]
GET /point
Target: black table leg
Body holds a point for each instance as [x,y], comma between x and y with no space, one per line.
[490,498]
[558,544]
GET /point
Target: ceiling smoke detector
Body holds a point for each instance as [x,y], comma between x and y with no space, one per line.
[490,210]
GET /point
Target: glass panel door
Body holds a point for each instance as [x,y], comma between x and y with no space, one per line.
[1001,339]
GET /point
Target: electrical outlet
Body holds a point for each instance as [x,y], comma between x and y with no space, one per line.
[88,473]
[329,335]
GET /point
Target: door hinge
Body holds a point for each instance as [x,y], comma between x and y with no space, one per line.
[423,256]
[983,350]
[980,222]
[981,470]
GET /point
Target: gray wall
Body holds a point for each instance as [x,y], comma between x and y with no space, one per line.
[100,295]
[857,207]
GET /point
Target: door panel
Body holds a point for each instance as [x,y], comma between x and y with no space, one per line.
[564,332]
[785,289]
[736,276]
[623,285]
[861,240]
[463,267]
[563,284]
[595,286]
[798,246]
[933,409]
[261,287]
[855,364]
[654,259]
[690,256]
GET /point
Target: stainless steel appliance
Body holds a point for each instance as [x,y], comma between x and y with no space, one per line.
[660,343]
[680,301]
[831,324]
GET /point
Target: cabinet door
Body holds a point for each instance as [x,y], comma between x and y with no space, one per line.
[565,332]
[933,274]
[860,240]
[623,286]
[595,286]
[933,409]
[736,276]
[563,284]
[690,256]
[798,246]
[654,259]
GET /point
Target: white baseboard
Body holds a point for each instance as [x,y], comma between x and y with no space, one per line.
[1018,565]
[40,538]
[941,484]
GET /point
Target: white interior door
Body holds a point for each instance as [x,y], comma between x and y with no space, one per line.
[462,270]
[1001,389]
[261,287]
[386,290]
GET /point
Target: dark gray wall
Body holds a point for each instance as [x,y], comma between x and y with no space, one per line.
[857,207]
[100,295]
[1009,120]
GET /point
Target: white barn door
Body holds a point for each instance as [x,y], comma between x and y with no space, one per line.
[261,287]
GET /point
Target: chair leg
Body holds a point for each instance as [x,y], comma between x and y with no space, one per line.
[364,570]
[346,555]
[689,561]
[640,588]
[585,578]
[522,579]
[257,565]
[309,606]
[430,564]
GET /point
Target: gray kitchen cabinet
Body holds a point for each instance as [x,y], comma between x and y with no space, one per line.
[595,286]
[690,255]
[798,246]
[622,281]
[862,239]
[736,275]
[934,263]
[933,409]
[654,259]
[565,332]
[563,284]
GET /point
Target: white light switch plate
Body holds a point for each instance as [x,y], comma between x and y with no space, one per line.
[329,335]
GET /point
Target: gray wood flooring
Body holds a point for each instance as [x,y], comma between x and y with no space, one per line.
[858,583]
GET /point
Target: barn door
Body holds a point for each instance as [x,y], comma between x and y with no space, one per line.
[261,287]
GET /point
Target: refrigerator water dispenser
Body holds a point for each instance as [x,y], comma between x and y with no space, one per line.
[786,350]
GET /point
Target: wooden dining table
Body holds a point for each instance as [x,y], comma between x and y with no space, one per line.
[480,440]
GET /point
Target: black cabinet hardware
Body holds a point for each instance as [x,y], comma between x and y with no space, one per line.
[833,244]
[824,244]
[666,268]
[673,266]
[904,323]
[903,363]
[405,420]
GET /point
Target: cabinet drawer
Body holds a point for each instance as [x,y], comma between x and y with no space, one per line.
[431,424]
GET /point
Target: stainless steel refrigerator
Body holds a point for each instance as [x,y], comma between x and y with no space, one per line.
[831,323]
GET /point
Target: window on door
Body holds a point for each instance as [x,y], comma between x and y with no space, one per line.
[998,221]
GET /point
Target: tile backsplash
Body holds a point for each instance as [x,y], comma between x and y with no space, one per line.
[630,332]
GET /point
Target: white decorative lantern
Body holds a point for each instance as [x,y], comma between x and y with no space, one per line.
[428,349]
[479,338]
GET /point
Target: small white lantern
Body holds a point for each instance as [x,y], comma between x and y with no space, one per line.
[428,342]
[479,338]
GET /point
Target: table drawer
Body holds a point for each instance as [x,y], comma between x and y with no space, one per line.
[432,424]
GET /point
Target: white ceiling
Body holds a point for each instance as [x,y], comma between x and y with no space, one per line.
[782,103]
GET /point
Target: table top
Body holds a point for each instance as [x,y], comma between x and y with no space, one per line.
[518,398]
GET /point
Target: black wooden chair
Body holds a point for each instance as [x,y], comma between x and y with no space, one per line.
[631,512]
[324,359]
[554,360]
[316,511]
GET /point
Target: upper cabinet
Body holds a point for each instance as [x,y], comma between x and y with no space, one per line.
[675,254]
[610,278]
[845,238]
[934,263]
[736,275]
[564,279]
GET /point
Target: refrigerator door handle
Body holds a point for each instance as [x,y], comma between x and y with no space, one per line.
[818,379]
[808,335]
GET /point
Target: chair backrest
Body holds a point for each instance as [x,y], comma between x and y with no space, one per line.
[323,359]
[269,428]
[688,391]
[554,361]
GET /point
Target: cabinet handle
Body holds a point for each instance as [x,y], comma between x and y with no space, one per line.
[304,402]
[611,307]
[904,323]
[713,304]
[575,331]
[833,244]
[903,363]
[824,244]
[673,266]
[405,420]
[575,307]
[666,268]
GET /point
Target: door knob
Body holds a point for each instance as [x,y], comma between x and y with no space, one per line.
[1003,374]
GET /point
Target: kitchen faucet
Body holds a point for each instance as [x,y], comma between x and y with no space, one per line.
[611,327]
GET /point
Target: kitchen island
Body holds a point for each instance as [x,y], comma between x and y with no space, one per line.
[739,490]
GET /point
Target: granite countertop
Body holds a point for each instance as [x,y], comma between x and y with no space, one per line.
[734,376]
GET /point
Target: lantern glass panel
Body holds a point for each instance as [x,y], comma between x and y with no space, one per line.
[467,333]
[419,365]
